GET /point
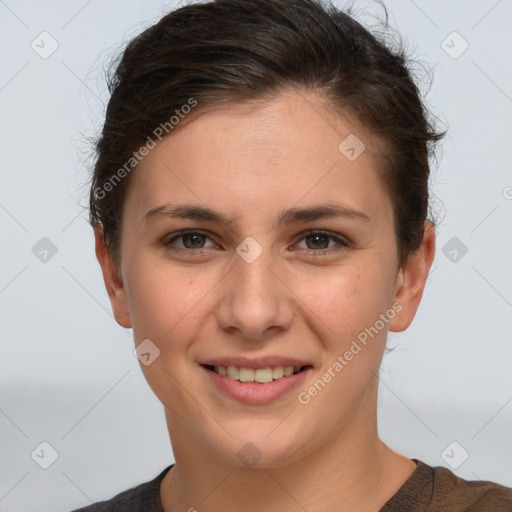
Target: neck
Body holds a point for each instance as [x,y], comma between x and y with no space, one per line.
[351,470]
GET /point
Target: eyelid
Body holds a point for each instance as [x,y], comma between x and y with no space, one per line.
[176,236]
[341,241]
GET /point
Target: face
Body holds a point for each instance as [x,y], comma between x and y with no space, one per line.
[289,259]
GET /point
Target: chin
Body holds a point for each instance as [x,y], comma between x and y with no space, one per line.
[262,444]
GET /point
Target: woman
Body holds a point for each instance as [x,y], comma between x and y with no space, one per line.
[259,203]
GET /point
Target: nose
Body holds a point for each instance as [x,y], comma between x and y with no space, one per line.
[255,302]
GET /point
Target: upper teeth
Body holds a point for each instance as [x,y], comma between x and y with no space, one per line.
[262,375]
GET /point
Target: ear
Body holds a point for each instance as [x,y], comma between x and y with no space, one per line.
[113,283]
[411,279]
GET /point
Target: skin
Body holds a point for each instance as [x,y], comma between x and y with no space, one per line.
[250,162]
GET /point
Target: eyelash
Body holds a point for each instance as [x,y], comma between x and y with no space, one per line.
[342,243]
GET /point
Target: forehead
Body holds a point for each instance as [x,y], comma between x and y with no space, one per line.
[262,156]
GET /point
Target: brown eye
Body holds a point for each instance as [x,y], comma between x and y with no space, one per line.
[190,241]
[317,241]
[321,242]
[193,240]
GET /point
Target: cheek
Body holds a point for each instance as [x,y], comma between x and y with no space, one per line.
[345,301]
[169,304]
[168,307]
[161,297]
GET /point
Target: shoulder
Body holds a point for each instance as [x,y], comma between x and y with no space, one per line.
[473,495]
[142,498]
[439,489]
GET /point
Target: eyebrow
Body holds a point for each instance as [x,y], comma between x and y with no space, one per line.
[290,216]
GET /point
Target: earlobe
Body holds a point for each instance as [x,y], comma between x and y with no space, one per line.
[113,283]
[411,280]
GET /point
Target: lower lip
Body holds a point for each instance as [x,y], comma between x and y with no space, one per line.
[255,393]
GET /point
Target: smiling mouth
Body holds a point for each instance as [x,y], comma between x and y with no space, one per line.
[260,375]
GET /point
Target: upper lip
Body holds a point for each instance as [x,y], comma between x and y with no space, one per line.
[256,362]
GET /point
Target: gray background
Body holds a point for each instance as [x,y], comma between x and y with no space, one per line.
[67,372]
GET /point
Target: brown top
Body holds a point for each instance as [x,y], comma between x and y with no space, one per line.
[428,489]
